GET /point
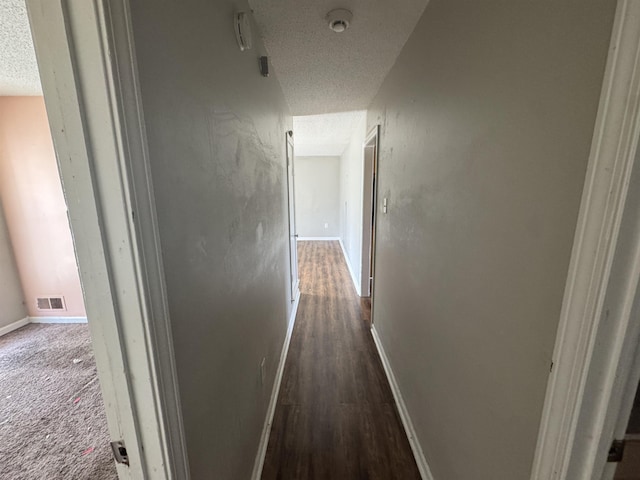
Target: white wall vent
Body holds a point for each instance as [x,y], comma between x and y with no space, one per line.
[50,303]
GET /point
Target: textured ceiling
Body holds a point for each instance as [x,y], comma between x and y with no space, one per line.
[18,68]
[324,135]
[322,71]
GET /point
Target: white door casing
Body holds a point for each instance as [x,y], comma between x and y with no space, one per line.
[579,351]
[370,149]
[293,236]
[611,387]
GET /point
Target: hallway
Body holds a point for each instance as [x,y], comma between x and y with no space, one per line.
[493,146]
[335,417]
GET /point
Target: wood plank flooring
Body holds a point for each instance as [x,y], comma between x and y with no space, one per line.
[335,417]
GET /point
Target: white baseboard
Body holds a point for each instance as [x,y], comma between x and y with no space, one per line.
[266,430]
[320,239]
[421,461]
[353,275]
[57,319]
[27,320]
[14,326]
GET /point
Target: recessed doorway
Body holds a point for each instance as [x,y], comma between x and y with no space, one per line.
[369,202]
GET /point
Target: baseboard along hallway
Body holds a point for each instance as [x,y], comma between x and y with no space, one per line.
[335,416]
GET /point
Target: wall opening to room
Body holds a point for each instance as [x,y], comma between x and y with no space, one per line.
[52,416]
[330,169]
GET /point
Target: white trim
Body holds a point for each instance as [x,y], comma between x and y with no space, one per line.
[126,105]
[369,207]
[57,319]
[292,236]
[317,239]
[612,156]
[421,461]
[60,59]
[14,326]
[353,275]
[271,409]
[373,133]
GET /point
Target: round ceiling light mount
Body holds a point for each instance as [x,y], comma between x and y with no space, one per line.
[339,19]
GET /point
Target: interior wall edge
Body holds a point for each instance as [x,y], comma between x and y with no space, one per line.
[58,320]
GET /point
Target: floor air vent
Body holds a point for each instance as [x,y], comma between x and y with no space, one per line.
[50,303]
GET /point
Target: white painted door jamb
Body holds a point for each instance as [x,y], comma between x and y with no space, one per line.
[611,160]
[369,205]
[88,70]
[291,209]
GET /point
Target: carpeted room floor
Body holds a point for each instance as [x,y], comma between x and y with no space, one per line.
[52,420]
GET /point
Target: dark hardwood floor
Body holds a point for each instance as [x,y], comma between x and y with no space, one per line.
[335,417]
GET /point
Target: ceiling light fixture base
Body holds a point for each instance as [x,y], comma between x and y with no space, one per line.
[339,19]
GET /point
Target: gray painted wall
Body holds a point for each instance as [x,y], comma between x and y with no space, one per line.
[487,119]
[351,173]
[216,131]
[317,185]
[11,297]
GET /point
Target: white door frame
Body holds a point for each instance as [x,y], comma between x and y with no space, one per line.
[584,365]
[291,210]
[369,200]
[88,71]
[612,388]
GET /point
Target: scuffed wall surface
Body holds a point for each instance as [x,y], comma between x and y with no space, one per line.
[486,125]
[216,131]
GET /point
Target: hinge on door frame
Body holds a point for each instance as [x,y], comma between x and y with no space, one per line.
[120,452]
[616,451]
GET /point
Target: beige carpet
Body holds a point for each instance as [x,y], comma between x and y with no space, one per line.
[52,420]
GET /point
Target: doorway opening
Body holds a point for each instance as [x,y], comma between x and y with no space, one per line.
[293,236]
[330,187]
[52,414]
[369,202]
